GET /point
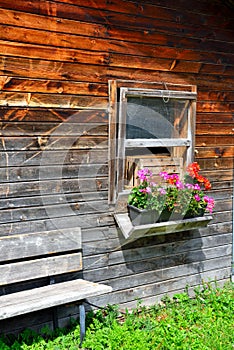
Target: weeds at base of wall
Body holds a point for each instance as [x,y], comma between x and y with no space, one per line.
[204,322]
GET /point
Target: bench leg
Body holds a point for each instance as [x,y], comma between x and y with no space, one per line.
[55,318]
[82,322]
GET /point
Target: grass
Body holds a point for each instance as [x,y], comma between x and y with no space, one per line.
[204,322]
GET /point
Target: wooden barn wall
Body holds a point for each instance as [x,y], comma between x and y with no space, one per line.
[56,59]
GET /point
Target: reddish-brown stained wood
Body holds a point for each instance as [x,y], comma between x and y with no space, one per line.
[223,117]
[215,106]
[216,164]
[215,152]
[52,101]
[91,73]
[216,96]
[89,57]
[208,140]
[53,115]
[35,21]
[62,54]
[140,43]
[30,20]
[8,83]
[79,12]
[215,129]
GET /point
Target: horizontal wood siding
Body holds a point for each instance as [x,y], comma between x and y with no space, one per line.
[56,58]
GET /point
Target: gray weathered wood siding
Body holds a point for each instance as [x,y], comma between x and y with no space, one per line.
[56,59]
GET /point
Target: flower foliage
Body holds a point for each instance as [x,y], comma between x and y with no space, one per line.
[186,197]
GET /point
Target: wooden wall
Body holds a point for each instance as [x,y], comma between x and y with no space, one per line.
[56,59]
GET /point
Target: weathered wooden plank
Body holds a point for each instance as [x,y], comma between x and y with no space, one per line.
[14,174]
[95,267]
[11,84]
[217,118]
[112,233]
[215,69]
[52,101]
[148,301]
[224,205]
[185,85]
[222,186]
[160,247]
[149,8]
[215,107]
[198,7]
[49,115]
[224,175]
[62,157]
[215,129]
[157,288]
[173,246]
[211,140]
[224,216]
[99,58]
[75,71]
[49,134]
[45,143]
[37,268]
[77,12]
[16,18]
[215,95]
[218,163]
[62,54]
[161,9]
[127,280]
[93,219]
[42,243]
[58,186]
[49,210]
[72,199]
[214,152]
[49,296]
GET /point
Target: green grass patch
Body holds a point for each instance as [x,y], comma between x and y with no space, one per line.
[205,322]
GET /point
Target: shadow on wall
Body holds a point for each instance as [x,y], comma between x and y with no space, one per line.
[163,264]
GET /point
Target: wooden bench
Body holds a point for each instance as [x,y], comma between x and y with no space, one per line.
[27,257]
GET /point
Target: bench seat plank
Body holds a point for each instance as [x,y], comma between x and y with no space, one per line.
[49,296]
[37,268]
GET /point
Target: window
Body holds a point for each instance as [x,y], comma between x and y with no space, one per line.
[150,126]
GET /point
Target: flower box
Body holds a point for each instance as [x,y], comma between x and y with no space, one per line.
[178,205]
[148,216]
[142,216]
[131,232]
[174,199]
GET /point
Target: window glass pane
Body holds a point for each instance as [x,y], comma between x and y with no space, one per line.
[156,117]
